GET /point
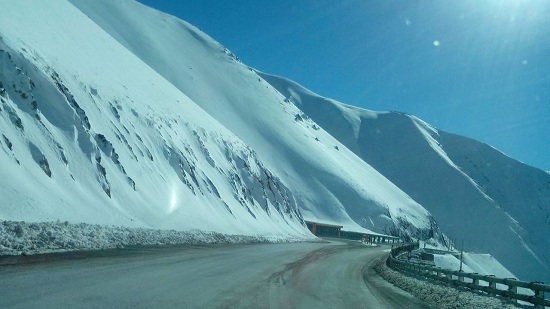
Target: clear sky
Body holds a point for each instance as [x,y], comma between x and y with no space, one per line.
[471,67]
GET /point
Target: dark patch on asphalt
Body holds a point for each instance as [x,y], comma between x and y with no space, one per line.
[281,277]
[291,269]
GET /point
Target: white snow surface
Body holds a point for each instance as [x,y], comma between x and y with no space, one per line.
[48,237]
[449,261]
[93,134]
[330,185]
[113,113]
[481,263]
[475,193]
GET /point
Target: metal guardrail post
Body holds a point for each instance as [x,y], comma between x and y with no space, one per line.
[539,294]
[492,284]
[476,281]
[512,288]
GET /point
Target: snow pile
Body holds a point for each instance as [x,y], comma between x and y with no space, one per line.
[46,237]
[330,183]
[482,264]
[441,296]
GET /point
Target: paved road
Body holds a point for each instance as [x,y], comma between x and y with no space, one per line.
[302,275]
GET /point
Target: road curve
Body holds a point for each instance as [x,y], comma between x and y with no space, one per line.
[298,275]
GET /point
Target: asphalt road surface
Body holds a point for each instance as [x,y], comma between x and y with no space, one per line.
[297,275]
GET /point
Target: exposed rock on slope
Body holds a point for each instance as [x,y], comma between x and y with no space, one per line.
[329,182]
[114,113]
[107,140]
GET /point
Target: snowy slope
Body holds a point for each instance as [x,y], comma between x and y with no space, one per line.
[114,113]
[91,133]
[485,264]
[330,183]
[481,263]
[474,192]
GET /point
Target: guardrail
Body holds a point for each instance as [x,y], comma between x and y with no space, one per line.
[485,283]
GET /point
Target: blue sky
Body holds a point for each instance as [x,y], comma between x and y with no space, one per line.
[475,68]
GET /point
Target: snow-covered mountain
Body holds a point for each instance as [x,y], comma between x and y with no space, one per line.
[478,195]
[114,113]
[91,133]
[330,183]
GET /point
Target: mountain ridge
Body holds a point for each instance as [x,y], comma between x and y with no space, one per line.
[264,126]
[473,190]
[101,133]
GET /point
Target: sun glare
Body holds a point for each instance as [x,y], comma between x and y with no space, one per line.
[173,200]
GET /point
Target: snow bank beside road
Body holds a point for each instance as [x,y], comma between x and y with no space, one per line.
[441,296]
[46,237]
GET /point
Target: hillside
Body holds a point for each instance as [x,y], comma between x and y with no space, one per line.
[113,113]
[116,114]
[330,183]
[477,194]
[108,140]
